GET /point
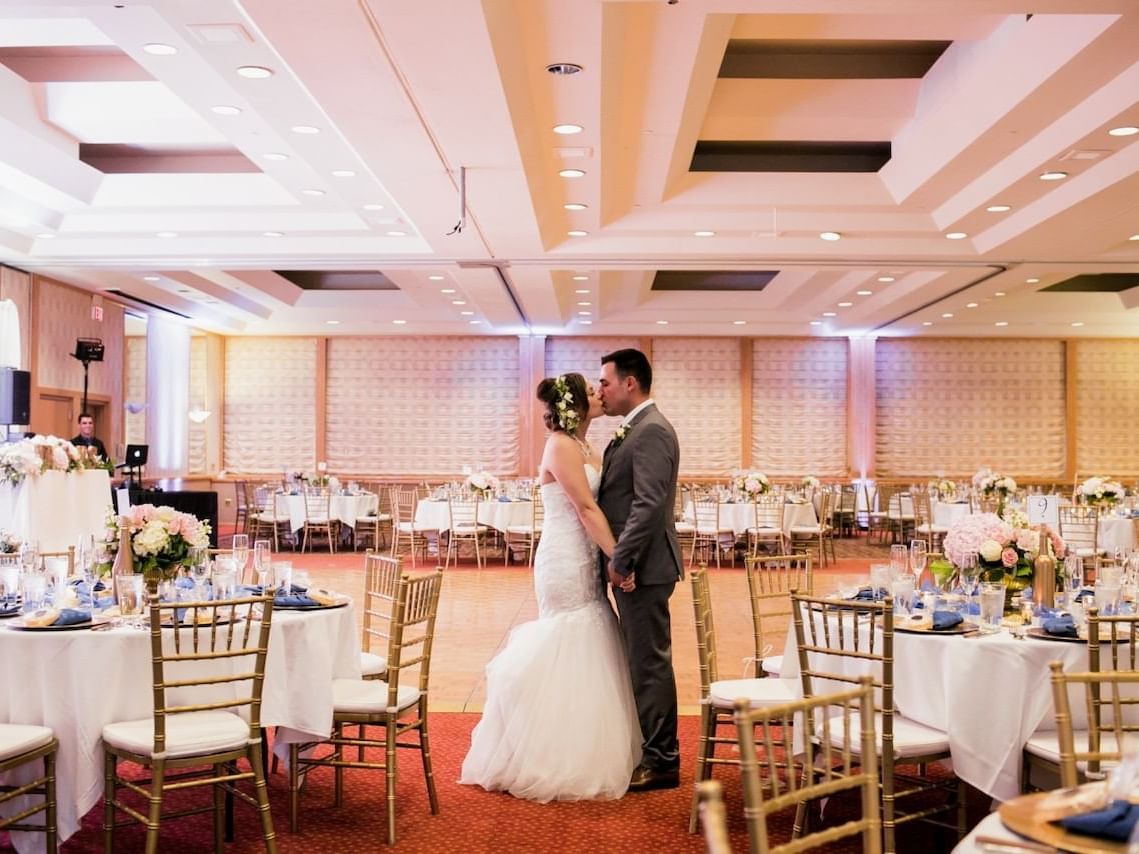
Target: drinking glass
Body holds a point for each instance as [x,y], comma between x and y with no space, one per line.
[29,555]
[899,558]
[262,561]
[1073,576]
[992,606]
[199,570]
[33,587]
[919,552]
[9,582]
[240,553]
[902,589]
[129,597]
[282,575]
[881,574]
[224,577]
[1107,595]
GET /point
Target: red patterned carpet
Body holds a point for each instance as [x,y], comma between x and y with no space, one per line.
[469,819]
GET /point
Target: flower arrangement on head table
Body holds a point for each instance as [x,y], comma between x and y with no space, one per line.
[160,537]
[752,483]
[9,543]
[1004,547]
[483,483]
[32,457]
[946,490]
[1101,492]
[994,485]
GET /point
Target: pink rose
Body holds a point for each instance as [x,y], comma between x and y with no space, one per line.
[1009,557]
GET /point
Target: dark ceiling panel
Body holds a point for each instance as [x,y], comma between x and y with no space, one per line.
[118,158]
[339,280]
[1096,283]
[789,156]
[830,60]
[712,280]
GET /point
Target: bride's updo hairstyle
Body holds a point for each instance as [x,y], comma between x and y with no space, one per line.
[567,401]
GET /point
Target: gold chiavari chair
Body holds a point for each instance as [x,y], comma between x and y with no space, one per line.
[844,511]
[241,507]
[51,559]
[877,510]
[709,533]
[855,637]
[712,817]
[318,518]
[768,527]
[1079,526]
[717,696]
[900,516]
[464,528]
[267,517]
[524,538]
[846,762]
[407,536]
[924,527]
[770,581]
[375,525]
[685,528]
[22,744]
[381,584]
[817,535]
[398,707]
[212,654]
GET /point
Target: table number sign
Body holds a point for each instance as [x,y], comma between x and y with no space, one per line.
[1044,508]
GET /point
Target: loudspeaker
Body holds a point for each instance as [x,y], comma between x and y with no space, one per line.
[15,396]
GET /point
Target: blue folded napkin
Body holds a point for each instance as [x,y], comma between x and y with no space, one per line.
[1085,592]
[72,617]
[1061,626]
[504,500]
[184,583]
[945,620]
[1045,613]
[81,586]
[294,600]
[255,590]
[9,610]
[1112,822]
[866,594]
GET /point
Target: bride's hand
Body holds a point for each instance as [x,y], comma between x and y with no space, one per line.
[629,585]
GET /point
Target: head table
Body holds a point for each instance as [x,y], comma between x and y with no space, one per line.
[56,509]
[76,682]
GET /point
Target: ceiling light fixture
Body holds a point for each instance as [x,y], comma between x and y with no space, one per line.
[305,130]
[662,323]
[816,323]
[830,235]
[584,302]
[886,279]
[864,293]
[312,192]
[585,313]
[399,322]
[1031,281]
[152,278]
[475,322]
[1134,237]
[159,49]
[436,278]
[576,232]
[255,72]
[999,294]
[586,322]
[1126,130]
[396,233]
[738,322]
[947,315]
[564,69]
[703,234]
[446,290]
[845,304]
[373,207]
[273,233]
[998,208]
[466,313]
[225,110]
[166,234]
[566,130]
[830,314]
[582,291]
[571,173]
[332,322]
[275,155]
[1053,176]
[1001,323]
[970,305]
[574,206]
[581,278]
[1080,322]
[956,235]
[458,302]
[343,173]
[927,323]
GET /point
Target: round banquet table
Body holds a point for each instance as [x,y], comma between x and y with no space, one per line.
[345,509]
[988,693]
[741,516]
[1117,532]
[76,682]
[500,515]
[945,513]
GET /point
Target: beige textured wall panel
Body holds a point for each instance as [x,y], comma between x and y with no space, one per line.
[197,434]
[422,406]
[134,430]
[64,314]
[1107,413]
[583,356]
[951,406]
[799,406]
[696,384]
[270,418]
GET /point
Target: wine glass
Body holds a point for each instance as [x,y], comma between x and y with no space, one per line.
[199,569]
[919,553]
[899,559]
[240,553]
[262,561]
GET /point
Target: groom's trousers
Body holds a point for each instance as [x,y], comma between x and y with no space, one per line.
[646,627]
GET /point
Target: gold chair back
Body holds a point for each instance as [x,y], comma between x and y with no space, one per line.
[381,585]
[1112,701]
[770,581]
[713,817]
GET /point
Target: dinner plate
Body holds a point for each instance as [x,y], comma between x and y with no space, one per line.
[962,628]
[1019,816]
[309,607]
[1038,632]
[18,625]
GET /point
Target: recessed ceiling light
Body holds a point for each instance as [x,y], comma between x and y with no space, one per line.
[458,302]
[816,322]
[886,279]
[662,323]
[343,173]
[152,278]
[1031,281]
[864,293]
[436,278]
[956,235]
[306,130]
[830,314]
[399,322]
[998,208]
[332,322]
[585,322]
[703,234]
[830,235]
[1134,237]
[1001,323]
[927,323]
[576,232]
[466,313]
[312,191]
[564,68]
[574,206]
[566,130]
[1126,130]
[45,236]
[225,110]
[1080,322]
[275,155]
[970,305]
[273,233]
[581,278]
[947,314]
[738,322]
[845,304]
[166,234]
[446,290]
[159,49]
[582,291]
[584,313]
[373,207]
[584,302]
[475,322]
[999,294]
[571,173]
[255,72]
[396,233]
[1053,176]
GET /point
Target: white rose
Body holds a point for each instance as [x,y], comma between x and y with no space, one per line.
[990,550]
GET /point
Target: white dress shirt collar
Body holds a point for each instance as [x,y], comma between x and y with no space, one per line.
[628,419]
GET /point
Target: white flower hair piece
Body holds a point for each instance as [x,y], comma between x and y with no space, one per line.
[568,416]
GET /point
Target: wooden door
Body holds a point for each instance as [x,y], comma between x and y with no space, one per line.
[55,416]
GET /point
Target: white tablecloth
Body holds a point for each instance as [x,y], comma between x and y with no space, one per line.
[1116,532]
[500,515]
[345,509]
[945,513]
[77,682]
[988,693]
[740,517]
[57,508]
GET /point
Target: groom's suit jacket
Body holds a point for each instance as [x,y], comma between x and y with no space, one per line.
[637,496]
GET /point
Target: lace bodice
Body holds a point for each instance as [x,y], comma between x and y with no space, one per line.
[567,574]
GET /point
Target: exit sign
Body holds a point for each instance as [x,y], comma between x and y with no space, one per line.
[97,312]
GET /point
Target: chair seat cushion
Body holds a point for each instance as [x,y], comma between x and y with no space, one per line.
[187,734]
[806,529]
[20,738]
[910,737]
[758,692]
[368,696]
[467,528]
[524,530]
[1089,552]
[372,664]
[410,527]
[1046,745]
[685,528]
[932,529]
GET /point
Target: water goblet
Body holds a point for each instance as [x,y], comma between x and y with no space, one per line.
[902,589]
[881,574]
[899,558]
[224,577]
[1107,594]
[992,606]
[33,589]
[240,553]
[282,576]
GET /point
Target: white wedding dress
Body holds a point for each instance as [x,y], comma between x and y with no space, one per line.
[559,721]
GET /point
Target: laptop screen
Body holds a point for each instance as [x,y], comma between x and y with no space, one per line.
[136,455]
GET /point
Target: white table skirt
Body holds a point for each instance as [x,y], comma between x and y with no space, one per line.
[1116,532]
[740,517]
[345,509]
[77,682]
[500,515]
[57,508]
[989,694]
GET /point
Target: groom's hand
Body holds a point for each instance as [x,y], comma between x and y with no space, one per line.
[624,582]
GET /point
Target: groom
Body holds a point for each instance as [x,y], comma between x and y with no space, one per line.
[637,493]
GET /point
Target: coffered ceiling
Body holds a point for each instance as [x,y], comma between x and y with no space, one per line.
[285,167]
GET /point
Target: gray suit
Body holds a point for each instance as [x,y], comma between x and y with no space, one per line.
[637,495]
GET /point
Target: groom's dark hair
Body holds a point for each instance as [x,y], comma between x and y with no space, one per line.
[634,363]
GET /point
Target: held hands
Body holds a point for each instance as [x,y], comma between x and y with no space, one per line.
[624,582]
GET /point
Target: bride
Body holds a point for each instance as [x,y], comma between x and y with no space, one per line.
[559,721]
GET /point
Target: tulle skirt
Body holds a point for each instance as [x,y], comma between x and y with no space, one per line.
[559,722]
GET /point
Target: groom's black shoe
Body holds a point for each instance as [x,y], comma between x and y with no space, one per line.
[647,779]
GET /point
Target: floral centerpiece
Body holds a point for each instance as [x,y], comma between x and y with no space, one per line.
[752,483]
[1101,492]
[160,538]
[1005,548]
[32,457]
[809,482]
[946,490]
[994,485]
[482,483]
[9,543]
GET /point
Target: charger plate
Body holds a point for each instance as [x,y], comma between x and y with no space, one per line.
[1039,633]
[1019,816]
[18,625]
[962,628]
[310,607]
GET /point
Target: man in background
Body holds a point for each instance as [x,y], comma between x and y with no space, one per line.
[86,437]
